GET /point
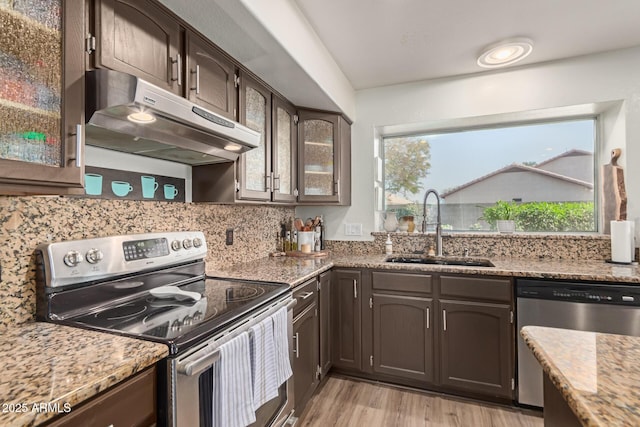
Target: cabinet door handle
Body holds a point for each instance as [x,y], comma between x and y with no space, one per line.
[296,350]
[428,316]
[444,319]
[306,295]
[178,62]
[355,289]
[197,73]
[78,145]
[276,179]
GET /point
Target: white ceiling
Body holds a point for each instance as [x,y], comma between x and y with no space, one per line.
[383,42]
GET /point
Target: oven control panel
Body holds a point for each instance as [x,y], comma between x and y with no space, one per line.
[147,248]
[82,261]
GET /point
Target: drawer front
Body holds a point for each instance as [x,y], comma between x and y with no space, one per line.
[492,289]
[131,403]
[305,294]
[402,282]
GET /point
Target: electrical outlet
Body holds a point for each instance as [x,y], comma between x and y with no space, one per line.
[353,229]
[229,236]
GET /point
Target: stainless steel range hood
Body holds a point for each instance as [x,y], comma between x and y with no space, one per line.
[126,113]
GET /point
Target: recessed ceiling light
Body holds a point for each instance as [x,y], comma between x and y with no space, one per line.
[505,53]
[141,117]
[232,147]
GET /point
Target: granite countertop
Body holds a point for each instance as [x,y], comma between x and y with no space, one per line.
[62,366]
[597,374]
[296,270]
[53,364]
[292,271]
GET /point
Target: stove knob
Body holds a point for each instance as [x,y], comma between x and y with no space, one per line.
[187,321]
[197,316]
[175,245]
[175,326]
[94,256]
[72,258]
[197,242]
[187,244]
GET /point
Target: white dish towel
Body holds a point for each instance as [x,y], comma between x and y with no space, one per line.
[263,362]
[232,392]
[281,339]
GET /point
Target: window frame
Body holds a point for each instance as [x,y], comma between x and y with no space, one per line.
[494,122]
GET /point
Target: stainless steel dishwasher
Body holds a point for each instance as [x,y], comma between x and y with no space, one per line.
[609,308]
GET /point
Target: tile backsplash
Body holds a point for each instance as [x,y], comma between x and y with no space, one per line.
[518,245]
[26,222]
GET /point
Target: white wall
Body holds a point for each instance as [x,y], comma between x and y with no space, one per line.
[613,76]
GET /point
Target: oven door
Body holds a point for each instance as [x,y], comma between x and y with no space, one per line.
[192,380]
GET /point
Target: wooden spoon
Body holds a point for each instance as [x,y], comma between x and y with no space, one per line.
[298,224]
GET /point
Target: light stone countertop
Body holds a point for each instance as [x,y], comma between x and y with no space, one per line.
[292,271]
[295,271]
[48,363]
[44,363]
[597,374]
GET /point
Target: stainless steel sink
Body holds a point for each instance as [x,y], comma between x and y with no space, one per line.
[467,262]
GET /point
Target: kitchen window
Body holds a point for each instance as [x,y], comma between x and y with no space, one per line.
[541,175]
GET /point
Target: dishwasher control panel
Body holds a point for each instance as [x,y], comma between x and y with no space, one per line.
[601,293]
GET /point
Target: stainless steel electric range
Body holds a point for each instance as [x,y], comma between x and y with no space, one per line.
[153,287]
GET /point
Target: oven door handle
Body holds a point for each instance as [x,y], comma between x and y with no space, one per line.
[194,367]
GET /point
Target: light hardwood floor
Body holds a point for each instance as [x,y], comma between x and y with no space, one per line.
[353,403]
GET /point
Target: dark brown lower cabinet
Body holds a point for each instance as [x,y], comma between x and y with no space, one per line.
[475,347]
[130,403]
[324,303]
[346,314]
[305,362]
[403,336]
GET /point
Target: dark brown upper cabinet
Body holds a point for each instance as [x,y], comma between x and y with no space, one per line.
[284,150]
[254,166]
[42,104]
[210,77]
[264,174]
[324,158]
[139,38]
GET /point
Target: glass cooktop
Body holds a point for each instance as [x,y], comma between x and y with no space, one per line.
[179,321]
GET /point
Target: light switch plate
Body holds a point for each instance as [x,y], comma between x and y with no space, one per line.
[353,229]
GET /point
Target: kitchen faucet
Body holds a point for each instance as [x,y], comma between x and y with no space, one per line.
[438,220]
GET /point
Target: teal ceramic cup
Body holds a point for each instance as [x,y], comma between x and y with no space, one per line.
[93,184]
[121,188]
[170,191]
[149,186]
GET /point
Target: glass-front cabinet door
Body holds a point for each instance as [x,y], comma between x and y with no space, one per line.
[285,180]
[41,98]
[255,165]
[318,157]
